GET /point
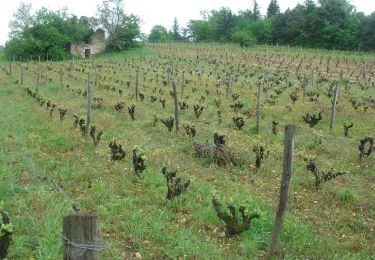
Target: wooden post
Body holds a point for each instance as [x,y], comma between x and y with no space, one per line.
[89,96]
[61,77]
[81,237]
[136,84]
[333,113]
[284,187]
[94,71]
[183,84]
[10,69]
[47,55]
[304,84]
[22,74]
[201,74]
[168,76]
[259,103]
[267,85]
[175,105]
[229,85]
[70,69]
[37,84]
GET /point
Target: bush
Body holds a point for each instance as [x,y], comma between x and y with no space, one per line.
[348,195]
[244,38]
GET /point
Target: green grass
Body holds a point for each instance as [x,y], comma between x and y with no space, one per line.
[46,166]
[141,51]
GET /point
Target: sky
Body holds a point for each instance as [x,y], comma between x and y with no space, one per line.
[154,12]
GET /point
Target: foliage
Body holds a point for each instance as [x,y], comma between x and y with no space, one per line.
[159,34]
[331,24]
[121,29]
[45,32]
[273,8]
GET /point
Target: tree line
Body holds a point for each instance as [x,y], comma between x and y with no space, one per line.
[49,33]
[329,24]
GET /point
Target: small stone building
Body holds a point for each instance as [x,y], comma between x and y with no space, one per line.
[94,45]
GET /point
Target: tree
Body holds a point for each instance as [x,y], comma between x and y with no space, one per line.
[273,9]
[176,36]
[122,30]
[244,38]
[256,11]
[223,22]
[200,30]
[22,20]
[159,34]
[368,32]
[49,32]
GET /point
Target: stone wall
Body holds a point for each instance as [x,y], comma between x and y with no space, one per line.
[96,44]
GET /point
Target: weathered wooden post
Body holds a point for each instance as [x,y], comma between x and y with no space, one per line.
[22,71]
[37,84]
[10,69]
[175,105]
[70,69]
[183,84]
[229,84]
[81,237]
[201,75]
[136,84]
[89,96]
[61,77]
[333,112]
[259,103]
[168,76]
[305,82]
[267,85]
[284,187]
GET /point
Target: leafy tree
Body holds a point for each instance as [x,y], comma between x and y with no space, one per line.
[256,11]
[367,32]
[223,22]
[176,36]
[22,20]
[200,30]
[122,30]
[288,28]
[159,34]
[244,38]
[44,32]
[273,9]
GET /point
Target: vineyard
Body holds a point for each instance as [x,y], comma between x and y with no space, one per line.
[168,143]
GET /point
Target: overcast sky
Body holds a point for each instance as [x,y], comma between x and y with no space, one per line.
[154,12]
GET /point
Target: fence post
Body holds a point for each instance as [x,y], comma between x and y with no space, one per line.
[229,84]
[201,75]
[168,76]
[136,84]
[81,237]
[10,69]
[89,95]
[259,103]
[333,113]
[175,105]
[183,84]
[22,74]
[37,84]
[61,77]
[267,85]
[284,187]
